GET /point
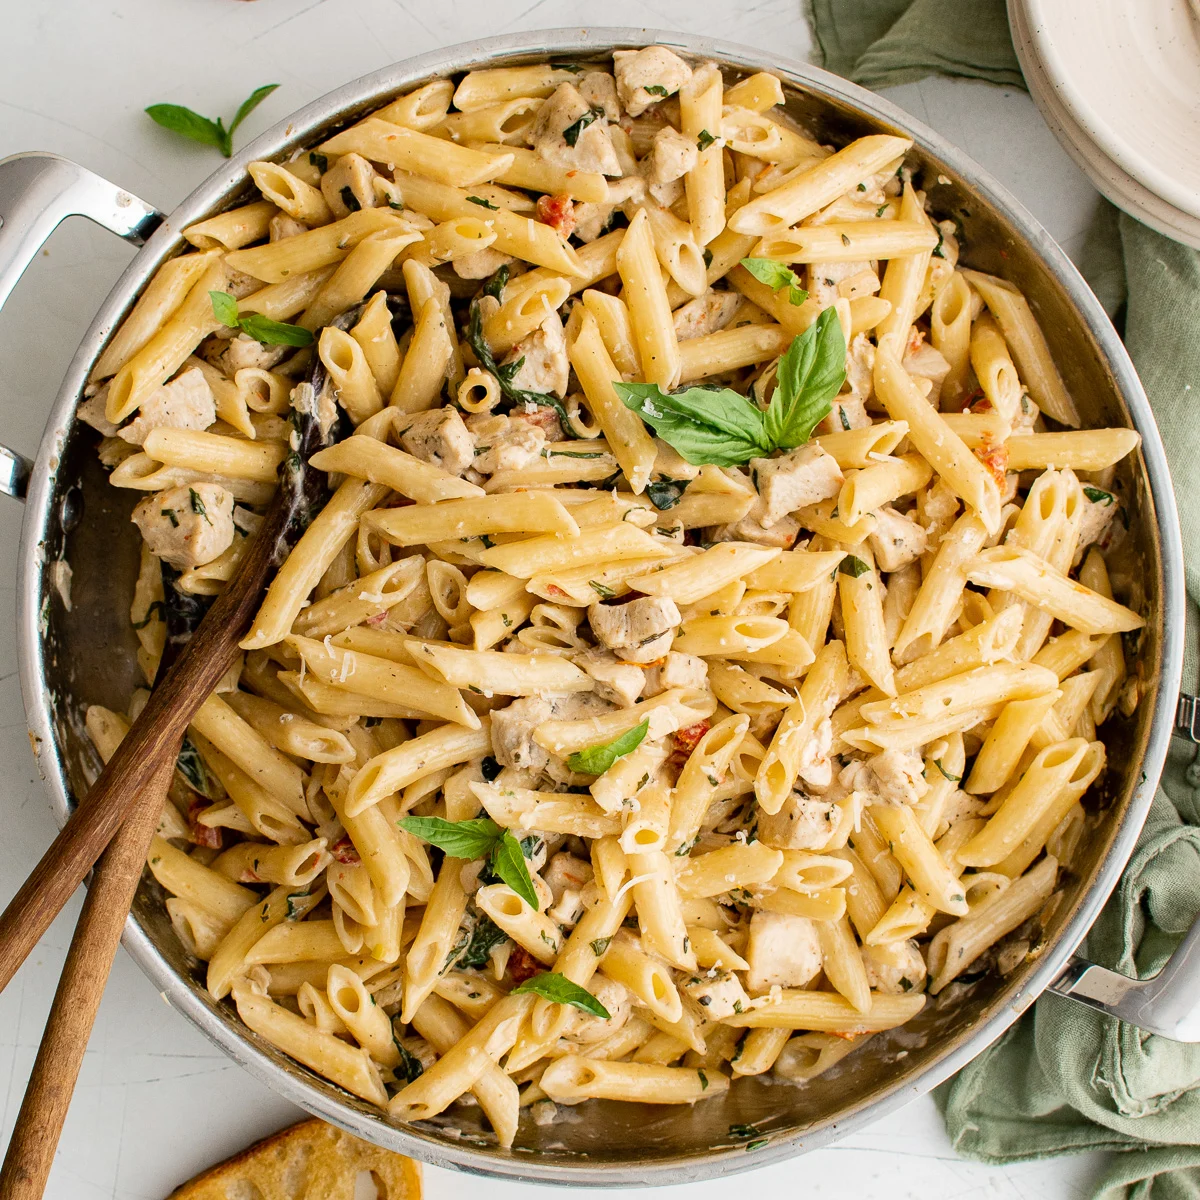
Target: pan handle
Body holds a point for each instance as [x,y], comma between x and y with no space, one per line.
[1166,1003]
[37,192]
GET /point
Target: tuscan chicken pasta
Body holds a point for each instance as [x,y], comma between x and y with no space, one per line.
[696,666]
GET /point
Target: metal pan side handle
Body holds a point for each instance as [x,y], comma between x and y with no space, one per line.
[37,192]
[1168,1003]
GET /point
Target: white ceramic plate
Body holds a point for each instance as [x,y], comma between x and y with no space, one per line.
[1128,72]
[1110,179]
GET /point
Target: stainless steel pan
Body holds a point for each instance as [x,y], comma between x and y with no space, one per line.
[84,654]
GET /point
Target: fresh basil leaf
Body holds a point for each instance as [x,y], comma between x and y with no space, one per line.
[508,861]
[496,285]
[460,839]
[705,140]
[854,567]
[188,124]
[274,333]
[225,308]
[483,203]
[706,425]
[595,760]
[1098,495]
[572,131]
[560,990]
[192,125]
[666,493]
[776,275]
[810,375]
[248,105]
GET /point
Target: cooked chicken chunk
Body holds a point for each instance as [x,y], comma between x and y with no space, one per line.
[619,682]
[571,134]
[782,950]
[545,367]
[676,671]
[803,823]
[895,968]
[795,480]
[825,279]
[891,777]
[671,156]
[482,264]
[349,185]
[184,403]
[599,89]
[706,314]
[240,352]
[91,412]
[582,1028]
[440,437]
[639,71]
[189,525]
[512,733]
[926,362]
[1099,508]
[719,994]
[897,539]
[639,631]
[504,444]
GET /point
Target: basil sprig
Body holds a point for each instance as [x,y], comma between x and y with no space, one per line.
[260,328]
[722,427]
[560,990]
[776,276]
[189,124]
[595,760]
[478,838]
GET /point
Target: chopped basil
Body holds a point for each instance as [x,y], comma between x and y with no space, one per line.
[601,589]
[169,513]
[496,285]
[572,131]
[705,140]
[1098,496]
[854,567]
[937,762]
[483,203]
[319,161]
[198,505]
[666,493]
[600,945]
[938,251]
[349,199]
[655,89]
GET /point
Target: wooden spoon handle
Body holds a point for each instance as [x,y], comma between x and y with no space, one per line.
[152,740]
[85,972]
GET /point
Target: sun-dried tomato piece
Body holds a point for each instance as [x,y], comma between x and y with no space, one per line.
[558,212]
[994,456]
[344,852]
[202,835]
[684,741]
[522,965]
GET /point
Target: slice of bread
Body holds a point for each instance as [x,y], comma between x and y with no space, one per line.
[309,1161]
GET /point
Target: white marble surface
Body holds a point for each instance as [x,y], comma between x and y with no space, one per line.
[155,1102]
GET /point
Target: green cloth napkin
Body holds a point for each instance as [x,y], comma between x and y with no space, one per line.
[1064,1078]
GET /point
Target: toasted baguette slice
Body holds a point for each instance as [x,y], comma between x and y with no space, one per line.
[309,1161]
